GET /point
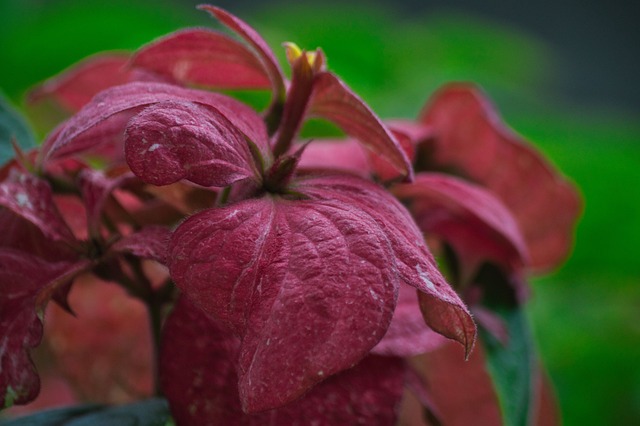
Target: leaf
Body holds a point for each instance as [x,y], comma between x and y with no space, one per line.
[151,412]
[204,58]
[12,127]
[53,417]
[470,137]
[103,120]
[74,87]
[27,283]
[251,36]
[151,242]
[171,141]
[513,367]
[467,217]
[408,335]
[345,155]
[461,391]
[513,363]
[96,188]
[441,307]
[31,198]
[333,100]
[104,351]
[20,234]
[200,380]
[294,279]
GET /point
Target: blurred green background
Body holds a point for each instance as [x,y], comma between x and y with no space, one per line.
[586,315]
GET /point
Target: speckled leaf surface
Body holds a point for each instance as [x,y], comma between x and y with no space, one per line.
[200,380]
[31,198]
[293,279]
[171,141]
[26,285]
[442,308]
[103,120]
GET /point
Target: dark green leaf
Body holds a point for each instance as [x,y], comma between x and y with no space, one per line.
[152,412]
[512,367]
[54,417]
[12,126]
[512,362]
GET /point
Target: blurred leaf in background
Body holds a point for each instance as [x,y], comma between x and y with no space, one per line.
[586,317]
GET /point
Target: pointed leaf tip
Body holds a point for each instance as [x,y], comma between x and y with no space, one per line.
[251,36]
[334,101]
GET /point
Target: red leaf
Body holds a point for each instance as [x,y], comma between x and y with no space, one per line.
[468,217]
[461,390]
[27,283]
[20,234]
[408,335]
[31,198]
[75,87]
[442,309]
[294,279]
[333,100]
[105,350]
[251,36]
[96,188]
[171,141]
[205,58]
[199,378]
[384,169]
[344,155]
[103,120]
[471,137]
[547,410]
[151,242]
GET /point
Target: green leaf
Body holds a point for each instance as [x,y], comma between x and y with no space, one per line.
[512,366]
[12,127]
[511,362]
[152,412]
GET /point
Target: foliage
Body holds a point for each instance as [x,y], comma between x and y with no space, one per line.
[291,269]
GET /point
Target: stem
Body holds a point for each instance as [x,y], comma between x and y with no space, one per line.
[155,321]
[296,104]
